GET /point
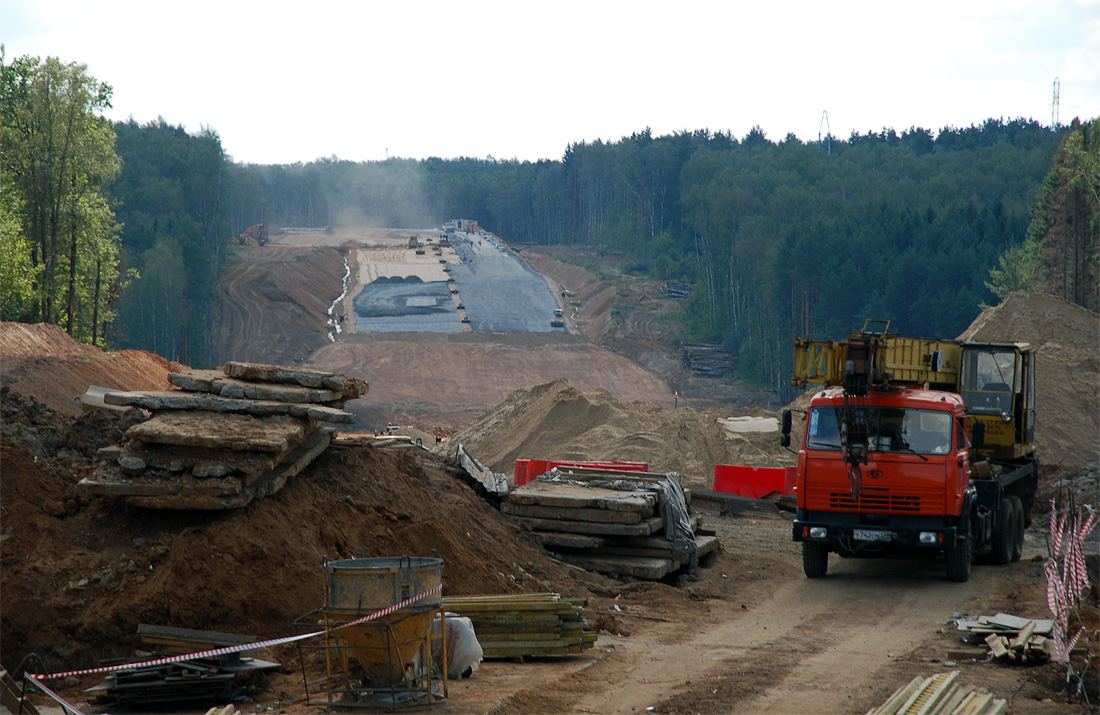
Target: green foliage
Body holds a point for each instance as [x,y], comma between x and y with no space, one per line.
[173,195]
[61,249]
[1061,253]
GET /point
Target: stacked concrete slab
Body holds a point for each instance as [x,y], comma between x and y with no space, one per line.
[224,437]
[615,531]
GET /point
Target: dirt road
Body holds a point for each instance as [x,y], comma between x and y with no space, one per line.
[755,636]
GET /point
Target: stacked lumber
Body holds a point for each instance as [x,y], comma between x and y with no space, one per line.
[619,532]
[223,437]
[535,625]
[940,694]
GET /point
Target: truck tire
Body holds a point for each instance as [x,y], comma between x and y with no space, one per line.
[1018,538]
[815,559]
[1004,533]
[959,559]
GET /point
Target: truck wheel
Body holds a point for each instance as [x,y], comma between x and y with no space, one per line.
[959,558]
[1018,538]
[815,559]
[1004,533]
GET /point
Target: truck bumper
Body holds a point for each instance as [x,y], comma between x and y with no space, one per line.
[847,534]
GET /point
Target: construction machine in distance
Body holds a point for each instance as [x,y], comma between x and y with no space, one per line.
[257,233]
[914,446]
[558,321]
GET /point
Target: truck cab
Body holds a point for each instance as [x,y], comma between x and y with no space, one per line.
[914,446]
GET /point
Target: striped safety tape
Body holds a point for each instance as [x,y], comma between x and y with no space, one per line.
[238,648]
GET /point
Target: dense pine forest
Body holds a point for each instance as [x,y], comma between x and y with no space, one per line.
[778,238]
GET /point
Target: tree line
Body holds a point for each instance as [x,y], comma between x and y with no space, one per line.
[121,236]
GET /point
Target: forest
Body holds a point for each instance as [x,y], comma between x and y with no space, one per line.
[777,238]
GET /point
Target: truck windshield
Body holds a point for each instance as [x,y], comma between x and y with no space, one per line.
[889,429]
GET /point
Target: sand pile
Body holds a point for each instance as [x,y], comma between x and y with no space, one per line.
[1067,396]
[556,421]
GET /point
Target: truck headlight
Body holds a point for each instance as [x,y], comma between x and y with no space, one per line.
[817,532]
[929,537]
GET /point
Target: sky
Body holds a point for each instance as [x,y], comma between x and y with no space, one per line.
[284,83]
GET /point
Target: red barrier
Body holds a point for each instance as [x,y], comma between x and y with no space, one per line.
[753,482]
[527,470]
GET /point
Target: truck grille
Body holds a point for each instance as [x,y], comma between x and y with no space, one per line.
[876,499]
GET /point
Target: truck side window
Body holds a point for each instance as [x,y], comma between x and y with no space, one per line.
[961,442]
[823,430]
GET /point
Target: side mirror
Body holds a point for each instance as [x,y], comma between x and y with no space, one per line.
[785,436]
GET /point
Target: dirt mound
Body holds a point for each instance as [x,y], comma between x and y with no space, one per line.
[44,363]
[1067,395]
[80,575]
[557,421]
[22,339]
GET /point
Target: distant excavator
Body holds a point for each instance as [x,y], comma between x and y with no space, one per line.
[257,233]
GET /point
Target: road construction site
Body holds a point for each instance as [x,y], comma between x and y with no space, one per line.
[90,573]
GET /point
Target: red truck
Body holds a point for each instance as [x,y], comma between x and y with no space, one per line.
[914,447]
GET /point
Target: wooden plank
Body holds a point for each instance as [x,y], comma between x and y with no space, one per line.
[12,694]
[996,644]
[1021,637]
[598,516]
[890,707]
[648,526]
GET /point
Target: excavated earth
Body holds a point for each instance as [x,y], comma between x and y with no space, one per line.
[749,634]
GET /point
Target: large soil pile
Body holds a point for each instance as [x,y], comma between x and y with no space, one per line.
[556,421]
[80,574]
[1067,395]
[43,362]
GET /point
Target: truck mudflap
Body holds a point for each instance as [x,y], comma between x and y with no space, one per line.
[865,539]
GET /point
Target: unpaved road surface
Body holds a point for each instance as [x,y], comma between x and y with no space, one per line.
[757,636]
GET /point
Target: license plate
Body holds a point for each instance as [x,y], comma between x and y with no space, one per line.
[870,535]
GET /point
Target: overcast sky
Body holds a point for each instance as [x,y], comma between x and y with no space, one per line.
[293,82]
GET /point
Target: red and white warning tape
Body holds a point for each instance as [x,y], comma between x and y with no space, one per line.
[237,648]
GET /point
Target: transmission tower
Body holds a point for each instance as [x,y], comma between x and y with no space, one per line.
[1054,106]
[826,140]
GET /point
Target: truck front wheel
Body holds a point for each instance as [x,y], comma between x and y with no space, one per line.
[815,559]
[959,558]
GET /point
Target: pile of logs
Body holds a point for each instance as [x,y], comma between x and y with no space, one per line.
[707,358]
[618,532]
[224,437]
